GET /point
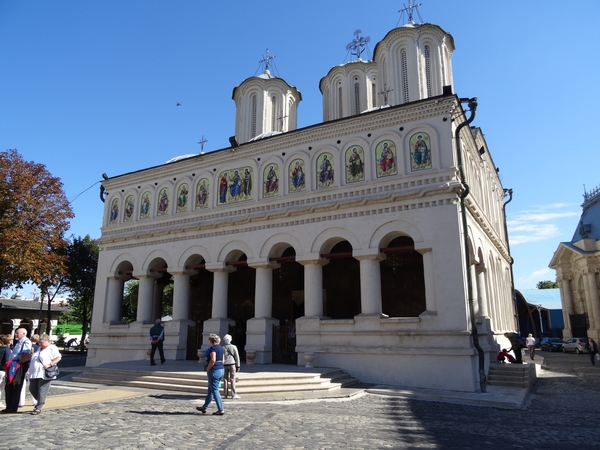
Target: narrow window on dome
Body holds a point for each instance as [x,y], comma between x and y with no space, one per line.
[340,110]
[253,125]
[404,77]
[273,113]
[356,99]
[428,71]
[374,94]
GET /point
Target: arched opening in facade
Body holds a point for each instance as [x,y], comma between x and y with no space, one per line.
[240,300]
[200,304]
[161,291]
[341,283]
[402,279]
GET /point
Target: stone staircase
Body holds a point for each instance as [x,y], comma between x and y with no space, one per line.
[196,382]
[512,375]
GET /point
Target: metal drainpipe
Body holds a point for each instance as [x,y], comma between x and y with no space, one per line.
[472,102]
[512,261]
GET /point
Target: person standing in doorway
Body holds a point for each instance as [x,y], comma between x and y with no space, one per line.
[215,371]
[157,337]
[232,366]
[592,348]
[530,341]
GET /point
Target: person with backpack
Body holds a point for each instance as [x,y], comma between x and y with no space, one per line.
[516,342]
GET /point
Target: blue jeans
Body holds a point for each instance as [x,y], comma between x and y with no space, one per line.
[214,379]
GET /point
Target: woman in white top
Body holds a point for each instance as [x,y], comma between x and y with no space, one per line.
[46,356]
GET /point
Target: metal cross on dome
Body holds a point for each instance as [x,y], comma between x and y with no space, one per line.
[357,44]
[385,94]
[202,142]
[266,60]
[409,10]
[281,118]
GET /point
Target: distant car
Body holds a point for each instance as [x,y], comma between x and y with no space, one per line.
[576,345]
[552,344]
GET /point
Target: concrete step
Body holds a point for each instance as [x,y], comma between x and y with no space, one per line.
[511,375]
[196,382]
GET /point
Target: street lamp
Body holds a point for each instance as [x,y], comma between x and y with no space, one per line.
[539,308]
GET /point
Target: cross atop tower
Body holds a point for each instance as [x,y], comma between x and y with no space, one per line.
[202,142]
[385,94]
[409,10]
[267,60]
[357,44]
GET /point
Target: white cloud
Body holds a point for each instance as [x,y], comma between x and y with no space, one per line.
[538,275]
[526,225]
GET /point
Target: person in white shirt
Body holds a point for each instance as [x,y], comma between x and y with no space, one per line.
[39,384]
[530,341]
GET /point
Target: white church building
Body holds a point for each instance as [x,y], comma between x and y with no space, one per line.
[373,242]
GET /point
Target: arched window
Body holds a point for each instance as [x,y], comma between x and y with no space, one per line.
[404,77]
[374,94]
[427,70]
[273,113]
[253,125]
[340,109]
[356,98]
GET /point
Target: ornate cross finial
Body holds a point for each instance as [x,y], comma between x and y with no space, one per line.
[385,94]
[267,59]
[409,10]
[281,118]
[357,44]
[202,142]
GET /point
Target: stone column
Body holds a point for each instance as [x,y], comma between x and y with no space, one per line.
[259,329]
[218,323]
[114,299]
[370,282]
[481,290]
[594,299]
[429,275]
[145,296]
[313,288]
[563,278]
[181,294]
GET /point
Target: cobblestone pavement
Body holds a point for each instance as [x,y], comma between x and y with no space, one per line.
[563,413]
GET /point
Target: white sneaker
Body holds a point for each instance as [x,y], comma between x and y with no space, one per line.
[236,397]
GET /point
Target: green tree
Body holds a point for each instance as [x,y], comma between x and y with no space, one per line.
[34,215]
[80,281]
[547,284]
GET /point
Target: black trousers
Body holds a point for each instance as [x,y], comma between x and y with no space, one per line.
[13,390]
[159,346]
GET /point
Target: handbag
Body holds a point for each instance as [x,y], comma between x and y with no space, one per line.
[51,372]
[597,356]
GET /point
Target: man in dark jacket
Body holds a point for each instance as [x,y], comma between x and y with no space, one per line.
[516,341]
[157,337]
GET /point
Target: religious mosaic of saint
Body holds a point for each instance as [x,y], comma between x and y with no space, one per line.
[271,180]
[235,185]
[182,197]
[145,206]
[163,202]
[129,208]
[297,177]
[114,211]
[324,170]
[420,152]
[202,194]
[386,159]
[355,167]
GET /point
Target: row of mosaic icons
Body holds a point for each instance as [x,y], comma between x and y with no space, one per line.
[236,185]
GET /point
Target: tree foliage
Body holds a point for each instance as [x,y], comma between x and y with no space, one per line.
[547,284]
[80,281]
[34,216]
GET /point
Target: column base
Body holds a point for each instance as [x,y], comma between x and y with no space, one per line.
[259,339]
[219,327]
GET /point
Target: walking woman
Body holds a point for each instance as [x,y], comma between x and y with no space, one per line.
[592,348]
[215,371]
[46,356]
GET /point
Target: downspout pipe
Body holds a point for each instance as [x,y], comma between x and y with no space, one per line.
[509,192]
[472,103]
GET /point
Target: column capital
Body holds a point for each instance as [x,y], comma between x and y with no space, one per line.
[422,248]
[263,264]
[219,267]
[312,259]
[145,274]
[182,271]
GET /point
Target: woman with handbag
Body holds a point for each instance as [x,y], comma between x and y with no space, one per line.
[42,370]
[215,371]
[592,349]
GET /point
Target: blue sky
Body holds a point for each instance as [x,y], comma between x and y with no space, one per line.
[88,87]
